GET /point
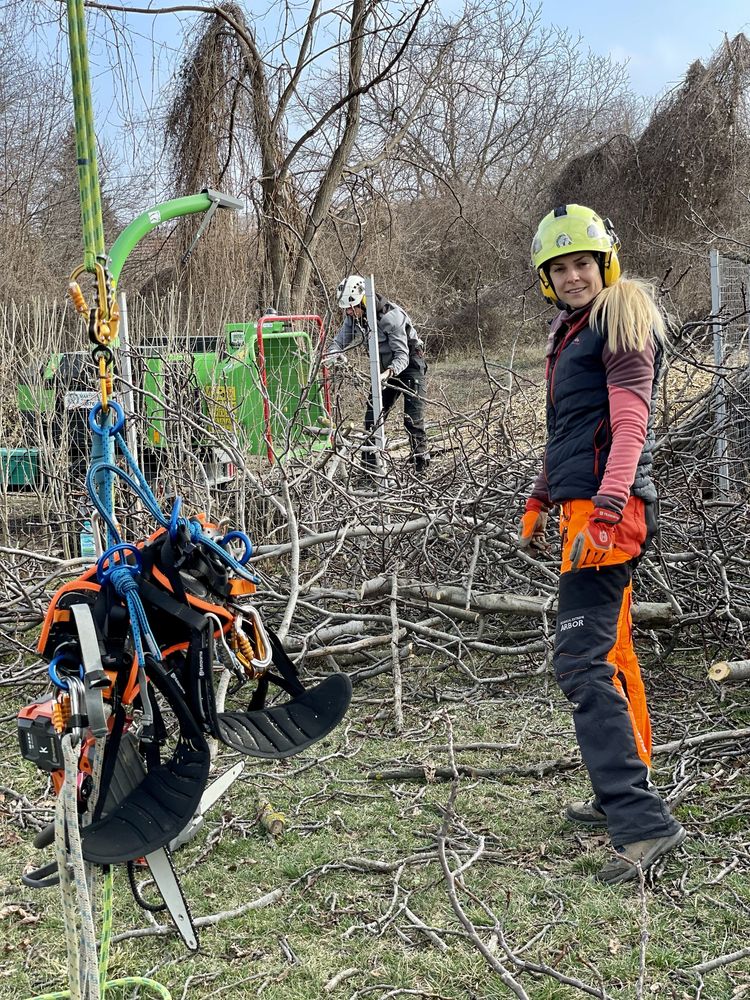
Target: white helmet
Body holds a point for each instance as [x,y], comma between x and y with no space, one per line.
[351,291]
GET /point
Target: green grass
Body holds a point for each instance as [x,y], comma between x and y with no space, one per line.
[534,873]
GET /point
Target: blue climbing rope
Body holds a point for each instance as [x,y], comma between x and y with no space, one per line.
[100,476]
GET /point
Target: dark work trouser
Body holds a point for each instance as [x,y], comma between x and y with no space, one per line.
[596,668]
[411,386]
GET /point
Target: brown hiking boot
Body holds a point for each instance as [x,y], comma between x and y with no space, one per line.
[624,866]
[585,811]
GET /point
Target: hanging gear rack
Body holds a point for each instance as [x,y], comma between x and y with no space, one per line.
[137,635]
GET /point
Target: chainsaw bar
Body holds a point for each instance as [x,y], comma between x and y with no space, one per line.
[166,881]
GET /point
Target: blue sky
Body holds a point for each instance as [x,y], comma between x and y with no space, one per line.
[659,38]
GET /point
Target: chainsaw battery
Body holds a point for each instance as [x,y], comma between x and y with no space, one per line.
[39,741]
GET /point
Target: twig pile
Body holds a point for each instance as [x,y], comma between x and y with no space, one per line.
[360,573]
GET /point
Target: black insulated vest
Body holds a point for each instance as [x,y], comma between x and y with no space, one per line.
[579,435]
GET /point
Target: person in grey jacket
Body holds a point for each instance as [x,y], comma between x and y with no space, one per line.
[401,357]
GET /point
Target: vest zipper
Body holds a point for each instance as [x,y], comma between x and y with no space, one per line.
[576,328]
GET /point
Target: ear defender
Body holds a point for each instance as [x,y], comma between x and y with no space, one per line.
[546,285]
[611,269]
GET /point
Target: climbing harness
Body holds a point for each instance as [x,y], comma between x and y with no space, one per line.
[135,636]
[134,644]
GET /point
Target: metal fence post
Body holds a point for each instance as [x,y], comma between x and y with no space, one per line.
[378,435]
[720,406]
[126,368]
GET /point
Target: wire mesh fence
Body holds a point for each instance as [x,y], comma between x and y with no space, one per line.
[730,304]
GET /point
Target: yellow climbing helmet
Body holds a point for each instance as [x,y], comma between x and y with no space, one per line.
[569,229]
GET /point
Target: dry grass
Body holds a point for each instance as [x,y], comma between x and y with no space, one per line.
[534,871]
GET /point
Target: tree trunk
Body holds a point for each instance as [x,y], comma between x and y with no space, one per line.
[336,164]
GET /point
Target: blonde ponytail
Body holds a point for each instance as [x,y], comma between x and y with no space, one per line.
[629,314]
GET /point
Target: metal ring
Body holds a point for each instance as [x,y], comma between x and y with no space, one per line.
[100,351]
[118,425]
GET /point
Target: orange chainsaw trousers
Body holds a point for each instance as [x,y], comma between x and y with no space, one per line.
[597,670]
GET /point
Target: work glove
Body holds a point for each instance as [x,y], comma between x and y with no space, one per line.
[533,527]
[384,376]
[591,545]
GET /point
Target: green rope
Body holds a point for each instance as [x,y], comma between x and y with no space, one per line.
[155,988]
[105,987]
[94,254]
[88,169]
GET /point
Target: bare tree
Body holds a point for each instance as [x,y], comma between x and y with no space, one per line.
[480,133]
[32,124]
[282,124]
[681,184]
[514,97]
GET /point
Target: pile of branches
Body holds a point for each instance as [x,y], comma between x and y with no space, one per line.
[361,573]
